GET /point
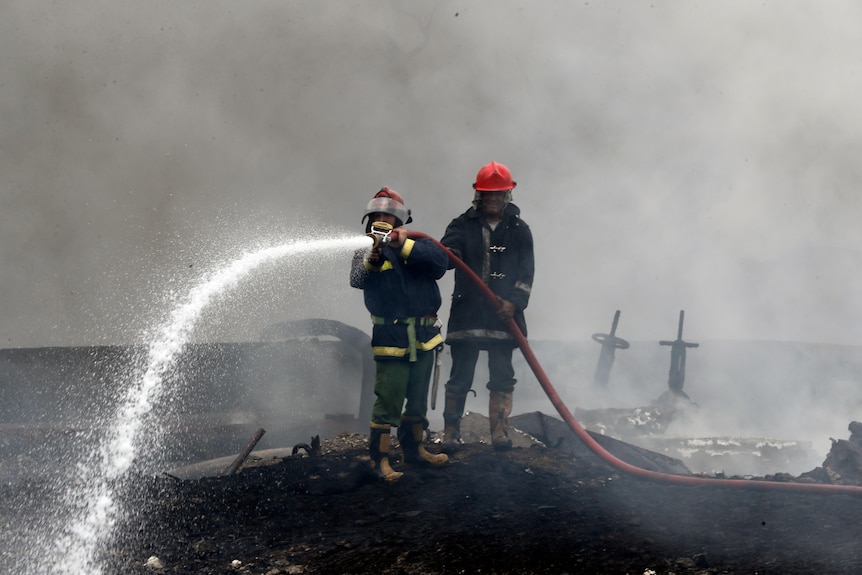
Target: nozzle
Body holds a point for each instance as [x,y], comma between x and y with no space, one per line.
[380,233]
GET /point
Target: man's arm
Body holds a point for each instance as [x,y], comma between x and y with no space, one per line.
[421,253]
[520,295]
[358,272]
[453,238]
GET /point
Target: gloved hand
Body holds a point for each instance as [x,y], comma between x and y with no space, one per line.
[374,254]
[397,237]
[507,310]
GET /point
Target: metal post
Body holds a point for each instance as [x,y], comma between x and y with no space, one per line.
[242,456]
[610,343]
[676,375]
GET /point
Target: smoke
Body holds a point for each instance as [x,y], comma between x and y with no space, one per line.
[699,156]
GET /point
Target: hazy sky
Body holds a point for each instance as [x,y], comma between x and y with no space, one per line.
[669,155]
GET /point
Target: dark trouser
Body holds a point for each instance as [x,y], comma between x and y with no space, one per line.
[464,358]
[399,380]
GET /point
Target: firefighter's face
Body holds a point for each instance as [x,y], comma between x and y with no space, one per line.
[493,203]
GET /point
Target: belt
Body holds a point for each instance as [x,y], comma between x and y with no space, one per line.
[424,321]
[411,323]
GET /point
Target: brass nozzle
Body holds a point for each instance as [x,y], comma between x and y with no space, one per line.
[381,227]
[380,233]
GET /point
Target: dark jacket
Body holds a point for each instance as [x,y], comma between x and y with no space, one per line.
[400,286]
[503,258]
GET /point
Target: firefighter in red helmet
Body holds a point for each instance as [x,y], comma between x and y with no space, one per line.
[398,276]
[493,240]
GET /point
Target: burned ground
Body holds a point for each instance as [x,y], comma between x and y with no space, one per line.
[530,510]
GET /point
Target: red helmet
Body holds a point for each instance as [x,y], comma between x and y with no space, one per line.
[494,177]
[388,201]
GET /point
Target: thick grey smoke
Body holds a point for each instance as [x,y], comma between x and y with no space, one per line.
[699,156]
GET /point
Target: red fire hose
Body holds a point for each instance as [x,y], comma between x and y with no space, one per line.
[593,445]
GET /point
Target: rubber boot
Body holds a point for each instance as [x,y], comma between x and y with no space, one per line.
[452,412]
[499,409]
[378,448]
[411,432]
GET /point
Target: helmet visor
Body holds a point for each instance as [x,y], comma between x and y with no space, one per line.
[387,206]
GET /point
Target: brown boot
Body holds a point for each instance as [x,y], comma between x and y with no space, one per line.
[378,448]
[452,413]
[499,409]
[411,433]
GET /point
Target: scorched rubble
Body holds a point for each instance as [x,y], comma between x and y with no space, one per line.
[530,510]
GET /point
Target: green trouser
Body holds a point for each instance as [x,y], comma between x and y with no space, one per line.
[398,380]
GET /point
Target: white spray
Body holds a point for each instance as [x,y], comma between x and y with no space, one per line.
[93,501]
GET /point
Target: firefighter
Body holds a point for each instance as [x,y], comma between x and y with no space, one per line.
[398,276]
[493,240]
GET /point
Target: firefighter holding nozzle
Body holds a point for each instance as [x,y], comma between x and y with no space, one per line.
[398,276]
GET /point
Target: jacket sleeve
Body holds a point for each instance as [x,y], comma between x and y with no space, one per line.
[358,272]
[423,254]
[453,239]
[520,295]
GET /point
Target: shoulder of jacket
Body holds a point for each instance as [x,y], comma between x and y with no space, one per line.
[464,217]
[515,218]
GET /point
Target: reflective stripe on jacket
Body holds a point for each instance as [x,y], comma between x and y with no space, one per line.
[399,289]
